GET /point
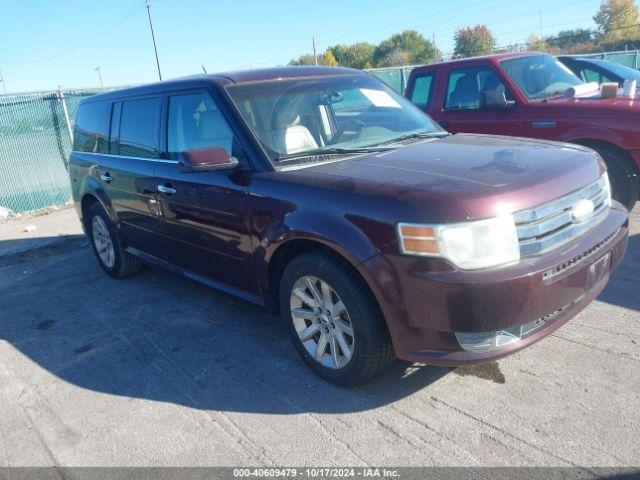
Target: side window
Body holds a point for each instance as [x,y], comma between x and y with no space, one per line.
[593,76]
[195,121]
[422,88]
[139,128]
[468,87]
[91,132]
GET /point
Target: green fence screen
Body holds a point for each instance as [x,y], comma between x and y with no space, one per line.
[34,147]
[35,142]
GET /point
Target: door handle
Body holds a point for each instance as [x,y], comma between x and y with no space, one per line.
[543,124]
[105,177]
[167,189]
[445,124]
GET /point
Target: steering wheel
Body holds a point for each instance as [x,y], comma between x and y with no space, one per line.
[356,125]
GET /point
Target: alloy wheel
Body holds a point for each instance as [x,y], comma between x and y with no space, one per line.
[322,322]
[102,241]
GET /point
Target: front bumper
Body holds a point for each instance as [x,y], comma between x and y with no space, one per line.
[427,301]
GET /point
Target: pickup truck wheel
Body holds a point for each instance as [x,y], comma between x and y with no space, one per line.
[333,320]
[107,247]
[623,178]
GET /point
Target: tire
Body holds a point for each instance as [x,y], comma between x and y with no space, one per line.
[623,177]
[369,342]
[119,264]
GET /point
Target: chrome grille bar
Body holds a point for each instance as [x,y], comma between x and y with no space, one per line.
[551,224]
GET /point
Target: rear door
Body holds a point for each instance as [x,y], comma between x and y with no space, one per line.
[127,173]
[204,214]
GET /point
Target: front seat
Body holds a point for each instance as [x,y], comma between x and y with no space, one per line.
[292,136]
[465,94]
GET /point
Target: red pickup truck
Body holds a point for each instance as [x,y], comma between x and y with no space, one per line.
[527,94]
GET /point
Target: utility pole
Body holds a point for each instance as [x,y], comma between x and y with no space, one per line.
[97,69]
[540,15]
[153,37]
[4,85]
[435,49]
[315,57]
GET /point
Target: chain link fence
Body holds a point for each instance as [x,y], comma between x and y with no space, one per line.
[395,77]
[35,138]
[35,143]
[630,58]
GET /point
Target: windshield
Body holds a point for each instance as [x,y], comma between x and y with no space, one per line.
[302,117]
[621,70]
[539,76]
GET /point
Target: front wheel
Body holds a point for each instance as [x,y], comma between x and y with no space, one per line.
[333,320]
[623,178]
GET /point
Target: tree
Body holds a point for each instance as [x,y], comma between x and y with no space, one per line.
[302,60]
[327,59]
[536,44]
[406,48]
[566,38]
[471,42]
[358,55]
[618,20]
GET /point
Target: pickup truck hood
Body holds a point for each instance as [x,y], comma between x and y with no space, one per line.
[607,106]
[484,174]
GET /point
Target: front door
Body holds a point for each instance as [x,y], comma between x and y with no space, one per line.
[465,108]
[204,214]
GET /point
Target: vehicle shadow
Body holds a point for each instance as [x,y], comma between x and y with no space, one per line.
[622,289]
[162,337]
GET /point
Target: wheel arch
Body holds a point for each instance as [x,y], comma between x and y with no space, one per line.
[91,193]
[288,250]
[597,145]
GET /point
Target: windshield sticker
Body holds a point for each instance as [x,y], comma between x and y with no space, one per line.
[380,98]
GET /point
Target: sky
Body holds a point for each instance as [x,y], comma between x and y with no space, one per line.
[46,44]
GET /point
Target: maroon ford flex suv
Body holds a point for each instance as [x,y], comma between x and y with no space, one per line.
[324,195]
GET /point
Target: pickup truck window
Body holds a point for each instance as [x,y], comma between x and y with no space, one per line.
[539,76]
[422,89]
[139,128]
[467,88]
[196,122]
[335,114]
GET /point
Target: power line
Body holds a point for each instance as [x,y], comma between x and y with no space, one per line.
[572,35]
[80,45]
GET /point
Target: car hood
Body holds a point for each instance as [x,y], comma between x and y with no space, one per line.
[485,175]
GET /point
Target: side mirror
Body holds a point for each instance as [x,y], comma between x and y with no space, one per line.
[206,160]
[496,100]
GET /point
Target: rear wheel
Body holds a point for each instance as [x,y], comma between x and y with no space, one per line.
[623,177]
[107,247]
[333,320]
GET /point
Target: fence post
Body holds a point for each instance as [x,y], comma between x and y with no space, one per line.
[66,114]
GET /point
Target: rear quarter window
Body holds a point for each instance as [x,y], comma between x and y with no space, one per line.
[91,133]
[422,90]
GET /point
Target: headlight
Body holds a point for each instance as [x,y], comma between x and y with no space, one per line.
[606,188]
[468,245]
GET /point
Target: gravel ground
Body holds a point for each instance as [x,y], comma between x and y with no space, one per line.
[158,370]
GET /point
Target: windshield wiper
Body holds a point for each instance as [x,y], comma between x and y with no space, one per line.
[409,136]
[333,151]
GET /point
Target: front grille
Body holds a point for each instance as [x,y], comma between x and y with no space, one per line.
[551,224]
[576,261]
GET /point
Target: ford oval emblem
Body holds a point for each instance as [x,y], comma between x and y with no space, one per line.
[581,210]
